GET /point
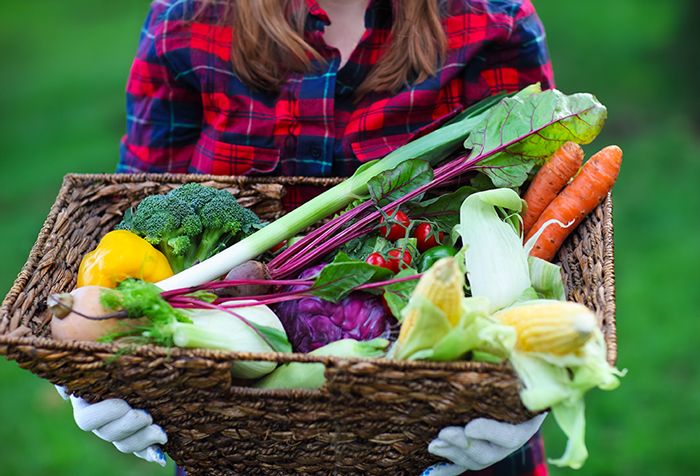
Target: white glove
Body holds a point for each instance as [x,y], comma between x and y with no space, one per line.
[478,445]
[113,420]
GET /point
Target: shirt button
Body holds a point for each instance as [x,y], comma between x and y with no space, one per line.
[316,152]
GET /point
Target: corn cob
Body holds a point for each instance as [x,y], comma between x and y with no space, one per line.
[552,327]
[443,286]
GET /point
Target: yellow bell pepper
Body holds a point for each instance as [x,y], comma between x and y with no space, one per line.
[120,255]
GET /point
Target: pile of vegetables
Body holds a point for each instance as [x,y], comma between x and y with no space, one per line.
[429,253]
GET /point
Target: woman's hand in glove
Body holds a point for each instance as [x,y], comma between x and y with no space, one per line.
[113,420]
[479,445]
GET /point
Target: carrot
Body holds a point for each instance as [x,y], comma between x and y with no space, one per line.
[577,200]
[551,178]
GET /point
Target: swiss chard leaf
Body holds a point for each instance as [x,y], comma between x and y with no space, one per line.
[442,210]
[526,129]
[361,248]
[397,295]
[397,182]
[481,182]
[343,275]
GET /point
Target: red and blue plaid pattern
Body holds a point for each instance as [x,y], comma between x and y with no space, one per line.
[189,112]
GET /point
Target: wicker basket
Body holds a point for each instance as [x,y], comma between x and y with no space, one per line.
[372,417]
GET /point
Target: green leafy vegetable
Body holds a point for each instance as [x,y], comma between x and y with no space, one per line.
[528,128]
[361,248]
[397,182]
[398,294]
[443,210]
[340,277]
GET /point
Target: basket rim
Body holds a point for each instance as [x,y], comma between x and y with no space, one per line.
[609,313]
[182,178]
[71,180]
[222,356]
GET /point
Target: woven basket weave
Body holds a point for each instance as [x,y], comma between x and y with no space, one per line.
[372,417]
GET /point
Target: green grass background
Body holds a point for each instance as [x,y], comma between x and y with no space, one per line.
[62,76]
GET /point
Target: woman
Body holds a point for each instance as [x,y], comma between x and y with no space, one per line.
[316,88]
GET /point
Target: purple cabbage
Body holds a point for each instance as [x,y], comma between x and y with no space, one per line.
[312,322]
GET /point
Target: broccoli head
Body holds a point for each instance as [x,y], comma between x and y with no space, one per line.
[190,223]
[167,223]
[224,222]
[196,195]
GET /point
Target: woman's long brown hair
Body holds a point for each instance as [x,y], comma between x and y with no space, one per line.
[268,43]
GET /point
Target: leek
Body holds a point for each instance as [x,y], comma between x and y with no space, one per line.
[431,147]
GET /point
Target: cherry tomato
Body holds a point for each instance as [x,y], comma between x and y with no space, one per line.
[396,260]
[399,223]
[376,259]
[426,237]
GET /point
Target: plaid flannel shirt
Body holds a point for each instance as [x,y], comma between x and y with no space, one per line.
[187,111]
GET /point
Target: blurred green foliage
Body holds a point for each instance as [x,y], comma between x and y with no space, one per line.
[61,110]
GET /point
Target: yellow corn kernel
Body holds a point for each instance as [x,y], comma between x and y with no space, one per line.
[443,286]
[550,326]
